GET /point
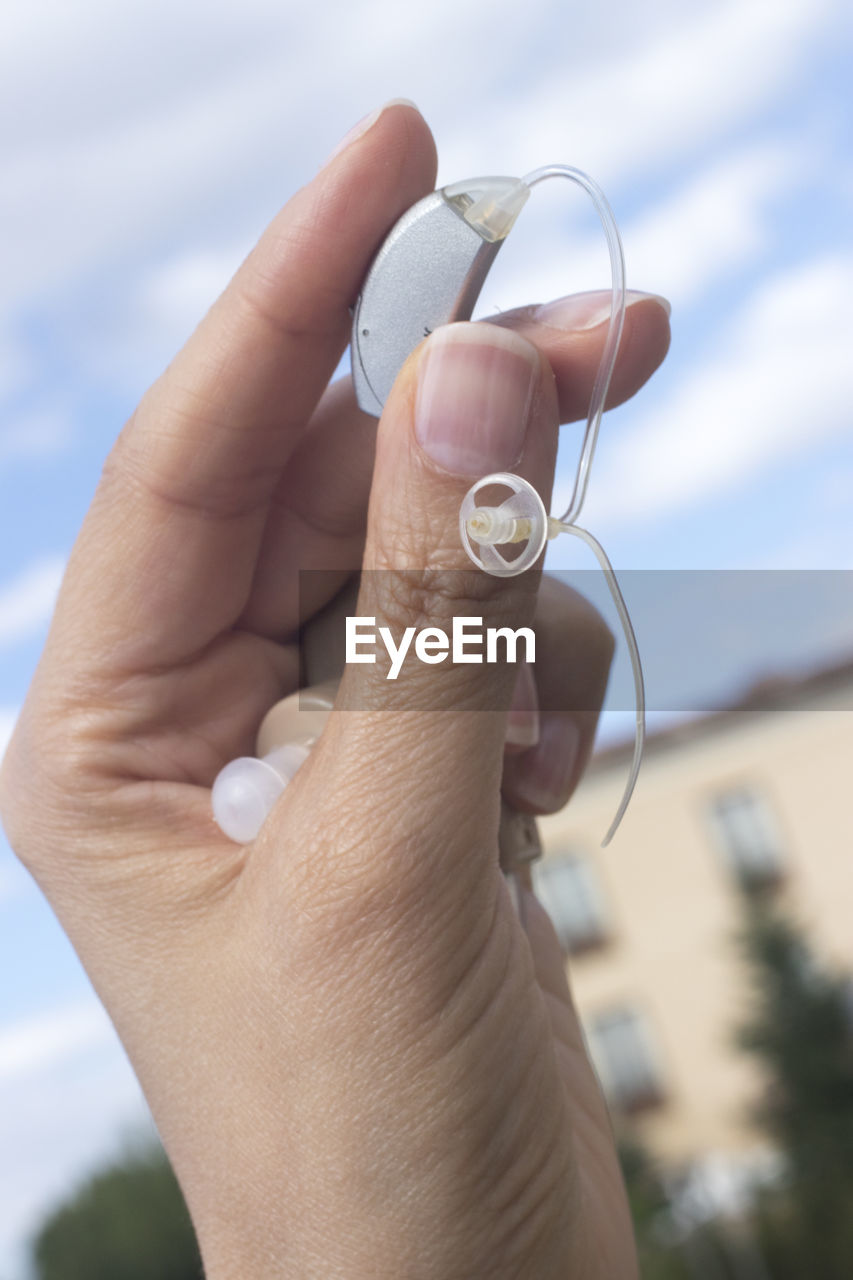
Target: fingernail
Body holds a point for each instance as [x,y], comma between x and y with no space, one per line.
[365,123]
[522,726]
[544,774]
[582,311]
[475,385]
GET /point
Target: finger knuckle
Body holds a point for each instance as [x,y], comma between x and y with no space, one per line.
[48,796]
[433,595]
[367,876]
[22,804]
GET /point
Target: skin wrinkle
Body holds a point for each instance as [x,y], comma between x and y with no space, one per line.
[373,901]
[498,988]
[321,520]
[137,736]
[431,866]
[432,596]
[542,1194]
[126,469]
[504,1149]
[332,324]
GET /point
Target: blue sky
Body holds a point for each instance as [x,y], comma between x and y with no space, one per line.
[144,146]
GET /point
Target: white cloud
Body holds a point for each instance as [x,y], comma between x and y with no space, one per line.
[13,881]
[191,121]
[716,221]
[33,434]
[692,239]
[125,186]
[140,329]
[139,174]
[39,1043]
[681,84]
[781,381]
[16,364]
[184,287]
[56,1125]
[814,542]
[15,885]
[26,603]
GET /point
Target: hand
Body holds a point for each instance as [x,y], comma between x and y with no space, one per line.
[359,1062]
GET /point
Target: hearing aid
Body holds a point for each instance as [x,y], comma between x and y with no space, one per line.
[429,272]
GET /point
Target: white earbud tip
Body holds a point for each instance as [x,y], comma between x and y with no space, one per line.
[243,795]
[246,790]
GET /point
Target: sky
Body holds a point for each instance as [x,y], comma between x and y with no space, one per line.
[143,147]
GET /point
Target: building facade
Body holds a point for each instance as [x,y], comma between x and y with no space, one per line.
[758,793]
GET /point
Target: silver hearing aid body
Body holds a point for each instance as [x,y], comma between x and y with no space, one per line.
[429,272]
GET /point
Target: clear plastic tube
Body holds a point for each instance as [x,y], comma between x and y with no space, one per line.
[614,331]
[636,669]
[600,388]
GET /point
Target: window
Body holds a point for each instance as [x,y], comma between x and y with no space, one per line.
[621,1049]
[568,890]
[747,833]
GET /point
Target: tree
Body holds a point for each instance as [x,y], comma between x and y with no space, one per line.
[128,1222]
[650,1209]
[801,1029]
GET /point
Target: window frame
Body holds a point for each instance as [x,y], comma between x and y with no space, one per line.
[626,1091]
[760,860]
[589,895]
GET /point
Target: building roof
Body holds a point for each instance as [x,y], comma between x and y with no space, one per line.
[775,692]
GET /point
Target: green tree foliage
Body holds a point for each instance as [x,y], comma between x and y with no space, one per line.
[669,1250]
[801,1029]
[127,1223]
[658,1257]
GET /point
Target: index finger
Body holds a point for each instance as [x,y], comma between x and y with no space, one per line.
[166,557]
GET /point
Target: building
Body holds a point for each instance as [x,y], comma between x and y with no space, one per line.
[759,792]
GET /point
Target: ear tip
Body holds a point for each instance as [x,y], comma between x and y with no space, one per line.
[243,794]
[519,520]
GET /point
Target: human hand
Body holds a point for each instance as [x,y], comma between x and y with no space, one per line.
[358,1061]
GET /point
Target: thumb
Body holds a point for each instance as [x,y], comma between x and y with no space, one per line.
[428,743]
